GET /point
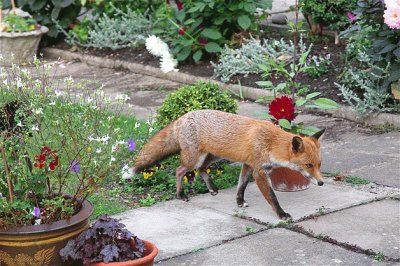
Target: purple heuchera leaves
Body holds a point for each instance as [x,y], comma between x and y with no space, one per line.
[106,240]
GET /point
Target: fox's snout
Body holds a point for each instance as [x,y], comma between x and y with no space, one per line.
[320,183]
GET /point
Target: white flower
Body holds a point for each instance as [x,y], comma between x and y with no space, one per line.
[137,124]
[156,46]
[168,63]
[151,129]
[89,100]
[19,83]
[19,124]
[122,97]
[5,82]
[106,138]
[38,111]
[52,103]
[98,150]
[114,148]
[58,93]
[90,138]
[35,128]
[126,172]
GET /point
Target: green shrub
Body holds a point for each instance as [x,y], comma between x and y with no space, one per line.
[194,97]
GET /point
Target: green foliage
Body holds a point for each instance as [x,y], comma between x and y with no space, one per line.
[380,42]
[363,88]
[329,13]
[317,65]
[128,29]
[194,97]
[205,26]
[245,59]
[14,23]
[354,180]
[111,8]
[52,12]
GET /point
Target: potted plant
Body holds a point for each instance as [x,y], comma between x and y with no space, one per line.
[56,147]
[107,242]
[19,37]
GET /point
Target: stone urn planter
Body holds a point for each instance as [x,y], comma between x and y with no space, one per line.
[288,180]
[20,47]
[40,244]
[147,260]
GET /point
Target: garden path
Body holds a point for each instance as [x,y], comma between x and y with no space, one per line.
[354,221]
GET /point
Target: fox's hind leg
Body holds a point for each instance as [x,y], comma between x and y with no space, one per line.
[206,177]
[242,184]
[190,160]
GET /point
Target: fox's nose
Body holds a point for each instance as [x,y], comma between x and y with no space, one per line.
[320,183]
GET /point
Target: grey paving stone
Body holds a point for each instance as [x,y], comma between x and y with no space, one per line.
[386,174]
[274,247]
[298,204]
[372,226]
[178,227]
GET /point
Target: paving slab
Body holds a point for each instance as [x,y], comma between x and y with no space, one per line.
[372,226]
[178,227]
[298,204]
[387,173]
[274,247]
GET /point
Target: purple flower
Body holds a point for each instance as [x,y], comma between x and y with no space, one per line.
[74,166]
[131,145]
[36,212]
[351,16]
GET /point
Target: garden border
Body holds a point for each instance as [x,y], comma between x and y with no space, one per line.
[243,91]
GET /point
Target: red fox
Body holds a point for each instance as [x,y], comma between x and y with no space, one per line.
[205,136]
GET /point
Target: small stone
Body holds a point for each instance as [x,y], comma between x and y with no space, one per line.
[279,19]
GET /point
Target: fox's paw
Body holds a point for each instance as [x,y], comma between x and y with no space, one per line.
[183,197]
[242,204]
[285,216]
[213,193]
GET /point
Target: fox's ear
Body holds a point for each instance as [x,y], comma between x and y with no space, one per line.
[318,135]
[297,144]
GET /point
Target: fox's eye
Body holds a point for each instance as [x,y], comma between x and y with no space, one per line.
[309,165]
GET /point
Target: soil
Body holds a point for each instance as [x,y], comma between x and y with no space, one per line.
[323,84]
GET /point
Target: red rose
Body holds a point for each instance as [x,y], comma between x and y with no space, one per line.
[282,108]
[179,4]
[182,31]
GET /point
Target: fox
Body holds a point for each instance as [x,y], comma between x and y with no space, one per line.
[203,137]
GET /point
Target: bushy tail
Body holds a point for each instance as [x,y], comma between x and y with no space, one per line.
[160,146]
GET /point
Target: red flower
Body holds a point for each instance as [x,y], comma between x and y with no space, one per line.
[282,108]
[203,41]
[179,4]
[71,26]
[41,158]
[182,31]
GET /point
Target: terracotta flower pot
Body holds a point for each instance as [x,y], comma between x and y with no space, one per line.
[40,244]
[288,180]
[148,259]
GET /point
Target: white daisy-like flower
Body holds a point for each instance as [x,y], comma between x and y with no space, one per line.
[52,103]
[156,46]
[38,111]
[19,124]
[168,63]
[151,129]
[35,128]
[137,124]
[98,150]
[122,97]
[106,138]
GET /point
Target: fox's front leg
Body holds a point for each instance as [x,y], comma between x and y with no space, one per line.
[260,178]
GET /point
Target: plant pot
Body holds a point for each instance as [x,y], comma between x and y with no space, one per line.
[40,244]
[148,259]
[288,180]
[20,47]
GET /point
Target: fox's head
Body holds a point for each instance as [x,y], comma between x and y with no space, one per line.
[304,156]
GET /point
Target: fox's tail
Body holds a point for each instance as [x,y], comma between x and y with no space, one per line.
[160,146]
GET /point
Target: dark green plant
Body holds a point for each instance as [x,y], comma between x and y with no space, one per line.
[52,12]
[328,13]
[109,7]
[188,98]
[204,26]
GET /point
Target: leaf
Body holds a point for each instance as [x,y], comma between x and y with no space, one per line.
[300,102]
[211,34]
[312,95]
[180,15]
[110,252]
[283,123]
[183,54]
[388,48]
[197,55]
[325,103]
[55,12]
[37,5]
[62,3]
[212,47]
[309,131]
[264,83]
[397,52]
[264,68]
[244,21]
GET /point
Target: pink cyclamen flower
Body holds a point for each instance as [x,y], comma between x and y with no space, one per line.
[392,18]
[351,16]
